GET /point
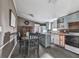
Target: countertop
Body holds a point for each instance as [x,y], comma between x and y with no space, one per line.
[73,34]
[70,34]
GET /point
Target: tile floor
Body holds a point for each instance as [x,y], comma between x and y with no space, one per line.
[51,52]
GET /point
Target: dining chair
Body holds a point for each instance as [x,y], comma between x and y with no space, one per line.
[20,42]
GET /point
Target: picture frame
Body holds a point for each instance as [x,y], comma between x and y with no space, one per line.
[12,19]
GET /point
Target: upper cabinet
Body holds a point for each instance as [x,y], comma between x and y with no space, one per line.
[54,24]
[48,25]
[62,23]
[43,29]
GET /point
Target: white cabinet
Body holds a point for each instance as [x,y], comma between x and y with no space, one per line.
[48,25]
[36,28]
[43,29]
[71,48]
[54,24]
[62,23]
[56,39]
[45,40]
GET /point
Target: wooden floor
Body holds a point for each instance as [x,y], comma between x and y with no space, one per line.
[51,52]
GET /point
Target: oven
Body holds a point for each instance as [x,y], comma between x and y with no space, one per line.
[72,40]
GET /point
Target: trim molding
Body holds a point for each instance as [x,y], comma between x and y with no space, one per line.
[14,4]
[12,51]
[4,45]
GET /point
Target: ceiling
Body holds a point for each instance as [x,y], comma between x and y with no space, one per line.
[45,10]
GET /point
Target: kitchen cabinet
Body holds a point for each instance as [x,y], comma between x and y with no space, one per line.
[62,23]
[62,39]
[55,36]
[59,39]
[48,25]
[54,24]
[45,40]
[71,48]
[74,25]
[56,39]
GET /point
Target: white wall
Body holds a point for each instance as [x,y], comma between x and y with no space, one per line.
[22,20]
[73,17]
[5,5]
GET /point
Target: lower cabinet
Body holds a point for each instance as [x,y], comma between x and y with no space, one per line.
[56,39]
[45,40]
[59,40]
[62,40]
[71,48]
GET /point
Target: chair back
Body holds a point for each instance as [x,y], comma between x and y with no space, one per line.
[18,36]
[33,39]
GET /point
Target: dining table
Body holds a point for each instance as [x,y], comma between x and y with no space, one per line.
[31,42]
[25,43]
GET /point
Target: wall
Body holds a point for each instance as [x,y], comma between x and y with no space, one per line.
[0,20]
[5,5]
[73,18]
[0,25]
[35,25]
[21,21]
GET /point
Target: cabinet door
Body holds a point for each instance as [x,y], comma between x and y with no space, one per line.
[62,40]
[54,24]
[63,24]
[56,39]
